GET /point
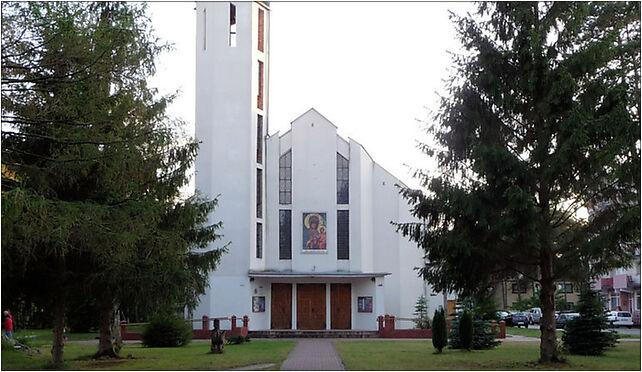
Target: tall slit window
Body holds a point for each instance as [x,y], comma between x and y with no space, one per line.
[259,240]
[261,29]
[259,98]
[343,235]
[342,180]
[285,178]
[259,139]
[285,234]
[259,193]
[232,25]
[204,29]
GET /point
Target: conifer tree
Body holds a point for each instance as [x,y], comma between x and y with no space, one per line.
[587,334]
[94,208]
[421,313]
[439,330]
[466,330]
[541,121]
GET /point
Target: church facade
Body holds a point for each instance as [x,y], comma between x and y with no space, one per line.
[307,213]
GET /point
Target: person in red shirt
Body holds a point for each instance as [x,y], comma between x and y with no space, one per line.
[8,324]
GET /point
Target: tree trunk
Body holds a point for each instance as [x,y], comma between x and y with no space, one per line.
[58,310]
[106,317]
[58,343]
[548,341]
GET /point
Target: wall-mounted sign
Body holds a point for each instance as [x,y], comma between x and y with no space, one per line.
[258,304]
[364,304]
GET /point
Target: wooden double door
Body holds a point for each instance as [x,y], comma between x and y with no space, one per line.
[340,305]
[311,306]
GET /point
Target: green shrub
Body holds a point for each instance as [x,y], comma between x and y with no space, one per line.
[466,330]
[483,335]
[167,331]
[588,334]
[439,330]
[238,339]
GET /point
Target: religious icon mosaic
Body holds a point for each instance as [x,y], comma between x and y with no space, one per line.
[314,231]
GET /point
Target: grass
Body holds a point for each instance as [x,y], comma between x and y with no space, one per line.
[194,356]
[39,337]
[535,332]
[420,355]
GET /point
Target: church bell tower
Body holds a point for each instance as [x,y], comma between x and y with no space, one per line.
[232,102]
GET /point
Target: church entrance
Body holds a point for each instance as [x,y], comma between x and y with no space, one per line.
[310,309]
[340,306]
[281,308]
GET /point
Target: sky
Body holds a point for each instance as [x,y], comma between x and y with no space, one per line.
[373,69]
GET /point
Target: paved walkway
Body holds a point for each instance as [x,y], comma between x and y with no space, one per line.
[313,355]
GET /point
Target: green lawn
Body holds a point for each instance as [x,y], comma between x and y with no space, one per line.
[535,332]
[194,356]
[419,355]
[38,337]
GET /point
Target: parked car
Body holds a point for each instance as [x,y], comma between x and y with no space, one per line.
[536,315]
[520,319]
[619,318]
[509,318]
[563,319]
[502,315]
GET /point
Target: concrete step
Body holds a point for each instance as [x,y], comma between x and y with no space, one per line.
[299,333]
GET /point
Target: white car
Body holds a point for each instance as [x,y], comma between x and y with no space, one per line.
[619,318]
[536,315]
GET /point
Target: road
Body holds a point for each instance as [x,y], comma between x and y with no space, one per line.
[621,330]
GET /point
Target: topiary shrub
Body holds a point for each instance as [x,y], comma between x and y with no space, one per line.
[439,330]
[588,334]
[466,330]
[167,331]
[483,335]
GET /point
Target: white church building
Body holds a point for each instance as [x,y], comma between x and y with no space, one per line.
[307,213]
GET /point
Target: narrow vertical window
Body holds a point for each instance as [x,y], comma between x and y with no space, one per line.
[204,29]
[232,25]
[259,193]
[259,240]
[259,139]
[343,235]
[285,178]
[285,234]
[259,99]
[342,180]
[261,28]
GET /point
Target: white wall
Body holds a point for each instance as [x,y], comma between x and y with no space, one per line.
[226,89]
[313,188]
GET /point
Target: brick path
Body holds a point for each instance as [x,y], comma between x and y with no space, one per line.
[313,355]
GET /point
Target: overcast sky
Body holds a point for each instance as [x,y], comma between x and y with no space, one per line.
[372,69]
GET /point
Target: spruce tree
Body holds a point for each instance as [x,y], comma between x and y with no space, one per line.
[421,313]
[541,121]
[439,330]
[95,208]
[466,330]
[588,334]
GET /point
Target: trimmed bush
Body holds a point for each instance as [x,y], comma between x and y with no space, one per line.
[466,330]
[167,331]
[588,334]
[439,330]
[483,335]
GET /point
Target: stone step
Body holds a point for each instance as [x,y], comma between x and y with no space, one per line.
[298,333]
